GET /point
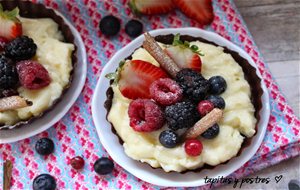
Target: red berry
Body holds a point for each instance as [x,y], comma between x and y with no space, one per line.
[145,115]
[77,162]
[193,147]
[204,107]
[33,75]
[3,42]
[165,91]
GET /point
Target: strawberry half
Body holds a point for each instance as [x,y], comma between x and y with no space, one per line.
[200,10]
[10,25]
[136,76]
[184,57]
[150,7]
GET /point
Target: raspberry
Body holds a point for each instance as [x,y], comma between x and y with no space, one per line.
[193,147]
[21,48]
[3,42]
[33,75]
[204,107]
[165,91]
[145,115]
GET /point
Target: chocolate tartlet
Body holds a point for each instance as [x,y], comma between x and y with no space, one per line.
[29,13]
[249,74]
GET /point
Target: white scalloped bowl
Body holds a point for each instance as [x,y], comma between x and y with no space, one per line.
[52,116]
[157,176]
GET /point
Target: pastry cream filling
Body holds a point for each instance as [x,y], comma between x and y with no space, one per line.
[238,118]
[55,56]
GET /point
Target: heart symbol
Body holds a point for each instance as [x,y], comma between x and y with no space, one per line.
[278,178]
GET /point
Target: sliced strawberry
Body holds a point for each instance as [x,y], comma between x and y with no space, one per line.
[184,57]
[136,77]
[10,25]
[150,7]
[200,10]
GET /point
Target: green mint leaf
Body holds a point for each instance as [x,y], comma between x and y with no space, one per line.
[194,48]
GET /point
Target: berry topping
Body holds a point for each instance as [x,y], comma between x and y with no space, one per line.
[44,182]
[204,107]
[151,7]
[181,115]
[136,77]
[8,73]
[44,146]
[193,147]
[110,25]
[218,101]
[3,42]
[103,166]
[168,138]
[77,162]
[33,75]
[211,132]
[145,115]
[21,48]
[200,10]
[165,91]
[8,93]
[217,85]
[10,25]
[194,85]
[134,28]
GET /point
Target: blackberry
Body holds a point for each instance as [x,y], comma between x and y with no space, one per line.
[110,25]
[181,115]
[21,48]
[193,84]
[8,73]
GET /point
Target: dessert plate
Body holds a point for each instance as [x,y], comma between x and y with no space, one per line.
[62,107]
[157,176]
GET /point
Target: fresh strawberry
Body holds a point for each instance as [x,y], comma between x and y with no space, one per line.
[150,7]
[200,10]
[136,76]
[10,25]
[3,41]
[184,57]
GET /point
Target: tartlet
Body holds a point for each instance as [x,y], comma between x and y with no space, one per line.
[254,88]
[46,28]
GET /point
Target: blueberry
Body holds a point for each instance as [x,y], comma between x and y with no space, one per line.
[103,166]
[168,138]
[217,85]
[134,28]
[211,132]
[44,146]
[44,182]
[218,101]
[110,25]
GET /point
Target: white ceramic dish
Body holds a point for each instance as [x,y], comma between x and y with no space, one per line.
[157,176]
[62,107]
